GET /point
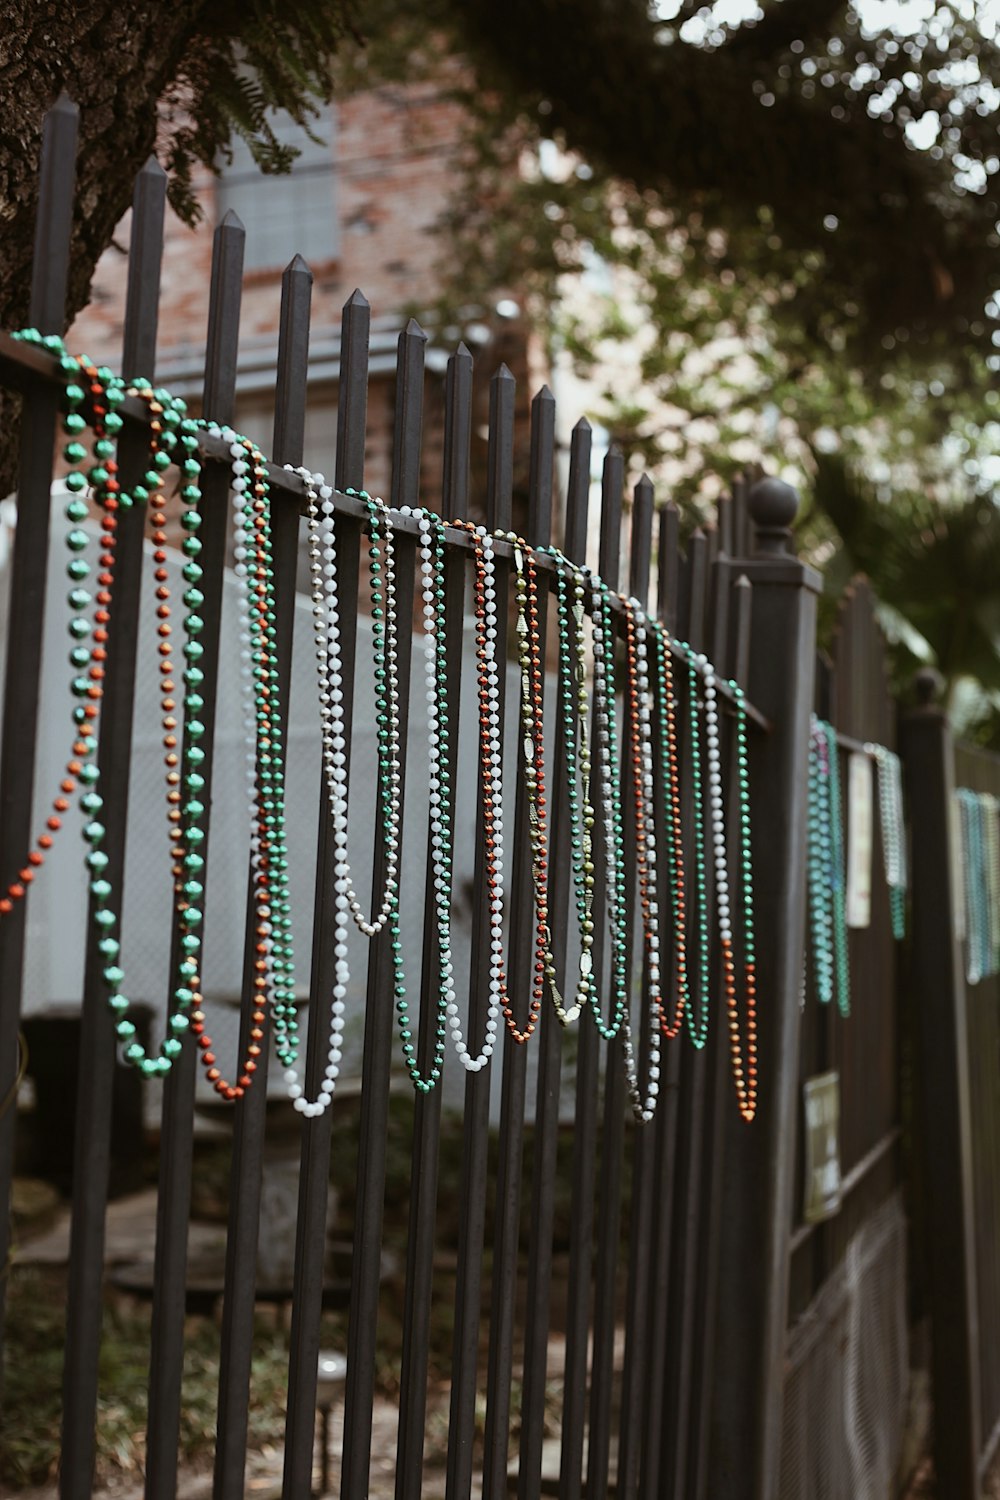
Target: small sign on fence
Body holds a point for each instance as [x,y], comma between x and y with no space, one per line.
[822,1142]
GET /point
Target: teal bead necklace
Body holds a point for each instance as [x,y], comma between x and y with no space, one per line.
[609,785]
[890,801]
[432,565]
[982,882]
[991,859]
[107,393]
[826,872]
[819,863]
[698,1029]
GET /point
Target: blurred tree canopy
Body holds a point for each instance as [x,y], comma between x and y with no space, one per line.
[789,221]
[784,212]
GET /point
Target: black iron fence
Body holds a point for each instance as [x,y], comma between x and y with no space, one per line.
[619,1295]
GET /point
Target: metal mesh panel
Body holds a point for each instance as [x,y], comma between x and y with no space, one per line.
[847,1373]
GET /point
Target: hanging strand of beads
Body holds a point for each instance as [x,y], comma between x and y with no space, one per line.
[83,658]
[890,801]
[609,792]
[974,873]
[838,869]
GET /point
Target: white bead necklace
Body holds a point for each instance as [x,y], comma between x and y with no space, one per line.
[716,810]
[329,665]
[492,774]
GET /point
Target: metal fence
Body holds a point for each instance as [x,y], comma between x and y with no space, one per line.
[620,1295]
[847,1367]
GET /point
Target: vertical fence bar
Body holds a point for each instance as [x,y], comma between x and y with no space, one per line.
[314,1179]
[667,1446]
[519,975]
[587,1068]
[668,565]
[695,1107]
[173,1204]
[26,617]
[499,500]
[759,1160]
[250,1110]
[92,1145]
[691,1084]
[314,1161]
[427,1107]
[366,1259]
[736,658]
[939,994]
[635,1370]
[741,518]
[665,1125]
[366,1255]
[549,1040]
[613,1134]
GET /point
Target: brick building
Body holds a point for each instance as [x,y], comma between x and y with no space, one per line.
[362,205]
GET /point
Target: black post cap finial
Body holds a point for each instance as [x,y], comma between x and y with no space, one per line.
[772,504]
[929,686]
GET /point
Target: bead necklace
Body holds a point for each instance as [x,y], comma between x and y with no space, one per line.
[107,393]
[325,601]
[744,1070]
[78,772]
[974,869]
[112,500]
[432,554]
[991,860]
[890,801]
[839,876]
[609,790]
[698,1030]
[575,708]
[819,871]
[667,736]
[273,964]
[491,789]
[533,750]
[826,876]
[329,665]
[637,686]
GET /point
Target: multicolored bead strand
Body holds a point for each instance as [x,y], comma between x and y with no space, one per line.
[273,963]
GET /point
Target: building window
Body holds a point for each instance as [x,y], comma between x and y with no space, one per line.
[291,213]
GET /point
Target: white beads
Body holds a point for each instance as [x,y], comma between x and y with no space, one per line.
[716,810]
[329,669]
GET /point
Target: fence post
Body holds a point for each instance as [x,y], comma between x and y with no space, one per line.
[759,1158]
[936,988]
